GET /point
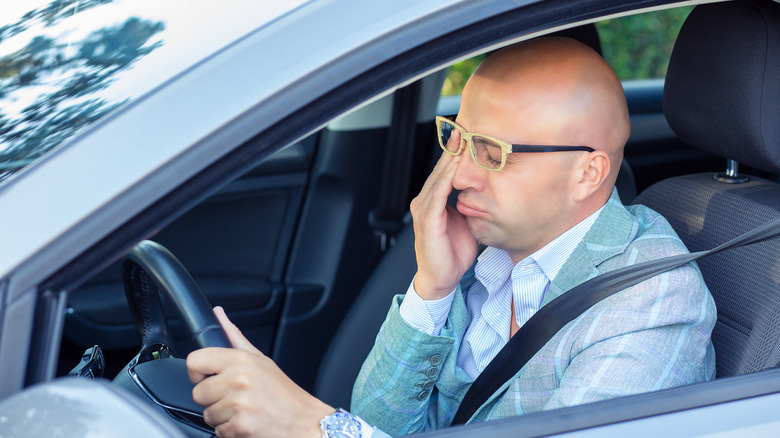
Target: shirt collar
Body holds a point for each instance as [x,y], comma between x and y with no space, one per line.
[552,256]
[493,268]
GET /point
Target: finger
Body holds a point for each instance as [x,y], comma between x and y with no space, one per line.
[443,184]
[207,362]
[447,159]
[437,187]
[226,430]
[219,412]
[233,333]
[441,163]
[441,167]
[435,200]
[237,419]
[211,390]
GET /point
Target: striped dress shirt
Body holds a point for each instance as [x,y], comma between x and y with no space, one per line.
[488,300]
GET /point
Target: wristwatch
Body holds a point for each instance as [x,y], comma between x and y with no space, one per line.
[342,424]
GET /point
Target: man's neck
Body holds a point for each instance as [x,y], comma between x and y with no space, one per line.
[518,256]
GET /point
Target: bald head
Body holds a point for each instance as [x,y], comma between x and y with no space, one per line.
[553,91]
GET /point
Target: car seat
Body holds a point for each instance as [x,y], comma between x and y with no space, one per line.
[722,95]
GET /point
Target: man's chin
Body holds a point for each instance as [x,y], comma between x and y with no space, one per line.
[479,229]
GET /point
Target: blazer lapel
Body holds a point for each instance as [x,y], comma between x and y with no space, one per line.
[613,230]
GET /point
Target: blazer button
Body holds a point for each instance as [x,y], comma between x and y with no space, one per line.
[421,396]
[435,359]
[428,385]
[432,372]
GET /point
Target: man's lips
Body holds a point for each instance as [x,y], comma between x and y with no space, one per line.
[468,210]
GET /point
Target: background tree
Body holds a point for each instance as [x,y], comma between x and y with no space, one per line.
[637,47]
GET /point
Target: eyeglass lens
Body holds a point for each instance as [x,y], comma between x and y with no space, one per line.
[486,152]
[446,137]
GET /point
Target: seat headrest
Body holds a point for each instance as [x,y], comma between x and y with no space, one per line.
[722,91]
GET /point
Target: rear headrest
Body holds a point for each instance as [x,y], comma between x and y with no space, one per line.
[722,91]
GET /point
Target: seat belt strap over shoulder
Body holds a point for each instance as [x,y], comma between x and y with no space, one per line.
[387,218]
[550,319]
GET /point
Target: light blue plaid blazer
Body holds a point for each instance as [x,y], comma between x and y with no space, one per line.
[651,336]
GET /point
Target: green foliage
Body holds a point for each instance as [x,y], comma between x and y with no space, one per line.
[637,47]
[458,74]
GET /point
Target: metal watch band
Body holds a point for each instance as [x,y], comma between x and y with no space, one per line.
[342,424]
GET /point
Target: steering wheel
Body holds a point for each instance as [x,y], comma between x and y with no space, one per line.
[148,271]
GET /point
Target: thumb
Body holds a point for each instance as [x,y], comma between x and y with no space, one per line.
[233,333]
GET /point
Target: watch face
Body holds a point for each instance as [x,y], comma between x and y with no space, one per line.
[342,425]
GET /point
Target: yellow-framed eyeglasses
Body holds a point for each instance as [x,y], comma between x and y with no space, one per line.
[488,152]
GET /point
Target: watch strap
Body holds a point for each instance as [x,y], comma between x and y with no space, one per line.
[342,424]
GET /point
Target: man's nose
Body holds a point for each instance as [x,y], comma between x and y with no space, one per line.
[468,175]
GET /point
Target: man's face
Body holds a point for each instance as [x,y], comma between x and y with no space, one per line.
[528,203]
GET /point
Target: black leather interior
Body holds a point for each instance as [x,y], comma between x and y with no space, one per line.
[715,102]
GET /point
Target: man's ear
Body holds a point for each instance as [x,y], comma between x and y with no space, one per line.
[593,173]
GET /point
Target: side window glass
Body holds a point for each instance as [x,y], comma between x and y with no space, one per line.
[639,46]
[458,74]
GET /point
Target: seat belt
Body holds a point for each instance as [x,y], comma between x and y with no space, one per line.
[550,319]
[387,218]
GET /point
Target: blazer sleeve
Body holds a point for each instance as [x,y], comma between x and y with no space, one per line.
[399,386]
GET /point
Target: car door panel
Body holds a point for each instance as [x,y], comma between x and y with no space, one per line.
[235,245]
[334,251]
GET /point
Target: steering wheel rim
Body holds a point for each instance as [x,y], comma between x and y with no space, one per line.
[149,270]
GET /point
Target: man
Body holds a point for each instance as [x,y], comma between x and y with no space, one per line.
[550,220]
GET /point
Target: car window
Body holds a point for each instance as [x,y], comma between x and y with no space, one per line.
[636,46]
[639,46]
[66,64]
[458,74]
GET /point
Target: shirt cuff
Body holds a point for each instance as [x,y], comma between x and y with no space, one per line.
[428,316]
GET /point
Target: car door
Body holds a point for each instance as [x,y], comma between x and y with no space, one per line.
[235,244]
